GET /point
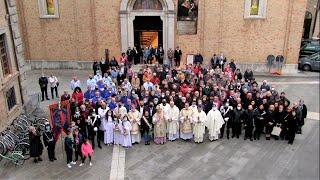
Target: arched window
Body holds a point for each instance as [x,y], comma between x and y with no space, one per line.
[147,4]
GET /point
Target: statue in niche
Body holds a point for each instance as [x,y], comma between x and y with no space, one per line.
[147,4]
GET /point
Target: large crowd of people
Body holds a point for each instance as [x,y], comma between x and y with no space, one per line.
[166,103]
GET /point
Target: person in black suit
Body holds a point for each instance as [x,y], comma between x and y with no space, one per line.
[151,109]
[177,56]
[104,65]
[130,54]
[43,82]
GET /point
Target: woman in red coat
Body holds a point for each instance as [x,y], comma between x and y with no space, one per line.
[184,89]
[78,96]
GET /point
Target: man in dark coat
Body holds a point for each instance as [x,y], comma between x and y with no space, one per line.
[36,146]
[130,54]
[214,61]
[303,114]
[49,141]
[43,82]
[177,56]
[292,125]
[238,116]
[104,65]
[270,121]
[233,65]
[198,59]
[137,55]
[248,75]
[95,67]
[249,123]
[259,121]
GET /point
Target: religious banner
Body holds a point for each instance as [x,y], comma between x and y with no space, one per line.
[187,16]
[59,118]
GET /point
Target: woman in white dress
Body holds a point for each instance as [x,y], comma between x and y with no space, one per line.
[126,134]
[109,128]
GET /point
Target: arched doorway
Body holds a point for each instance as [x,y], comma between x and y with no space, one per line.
[148,31]
[134,12]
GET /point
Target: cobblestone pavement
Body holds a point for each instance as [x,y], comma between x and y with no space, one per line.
[223,159]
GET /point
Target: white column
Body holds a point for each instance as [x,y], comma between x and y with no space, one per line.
[124,31]
[130,31]
[163,17]
[170,29]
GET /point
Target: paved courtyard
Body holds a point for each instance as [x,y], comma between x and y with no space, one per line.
[223,159]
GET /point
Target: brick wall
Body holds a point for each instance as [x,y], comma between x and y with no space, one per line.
[86,28]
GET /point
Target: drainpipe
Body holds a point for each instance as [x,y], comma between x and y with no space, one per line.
[316,16]
[287,31]
[14,49]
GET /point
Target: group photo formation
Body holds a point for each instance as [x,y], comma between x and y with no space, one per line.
[171,102]
[159,89]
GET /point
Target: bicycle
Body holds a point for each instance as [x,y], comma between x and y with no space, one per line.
[15,157]
[11,142]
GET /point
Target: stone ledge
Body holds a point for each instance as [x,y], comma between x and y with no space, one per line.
[87,65]
[80,65]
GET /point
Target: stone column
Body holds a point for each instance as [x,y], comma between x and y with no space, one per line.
[130,32]
[124,30]
[170,29]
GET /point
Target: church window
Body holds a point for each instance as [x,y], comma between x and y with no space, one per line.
[48,8]
[255,9]
[147,4]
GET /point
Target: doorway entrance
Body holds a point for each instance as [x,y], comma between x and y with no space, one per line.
[148,31]
[164,16]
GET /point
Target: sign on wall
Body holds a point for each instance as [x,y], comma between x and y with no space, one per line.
[190,59]
[187,16]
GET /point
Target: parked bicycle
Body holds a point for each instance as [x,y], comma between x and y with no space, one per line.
[15,142]
[15,157]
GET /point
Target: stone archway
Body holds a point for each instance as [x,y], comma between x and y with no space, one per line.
[128,14]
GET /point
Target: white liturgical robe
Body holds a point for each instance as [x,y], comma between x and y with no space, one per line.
[134,118]
[214,122]
[199,119]
[171,115]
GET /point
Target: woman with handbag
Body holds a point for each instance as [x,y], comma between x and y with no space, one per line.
[279,116]
[270,121]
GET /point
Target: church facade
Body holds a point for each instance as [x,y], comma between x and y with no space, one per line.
[60,33]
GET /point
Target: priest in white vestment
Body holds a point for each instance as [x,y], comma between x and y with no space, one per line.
[134,118]
[214,122]
[120,111]
[163,106]
[171,115]
[198,120]
[186,120]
